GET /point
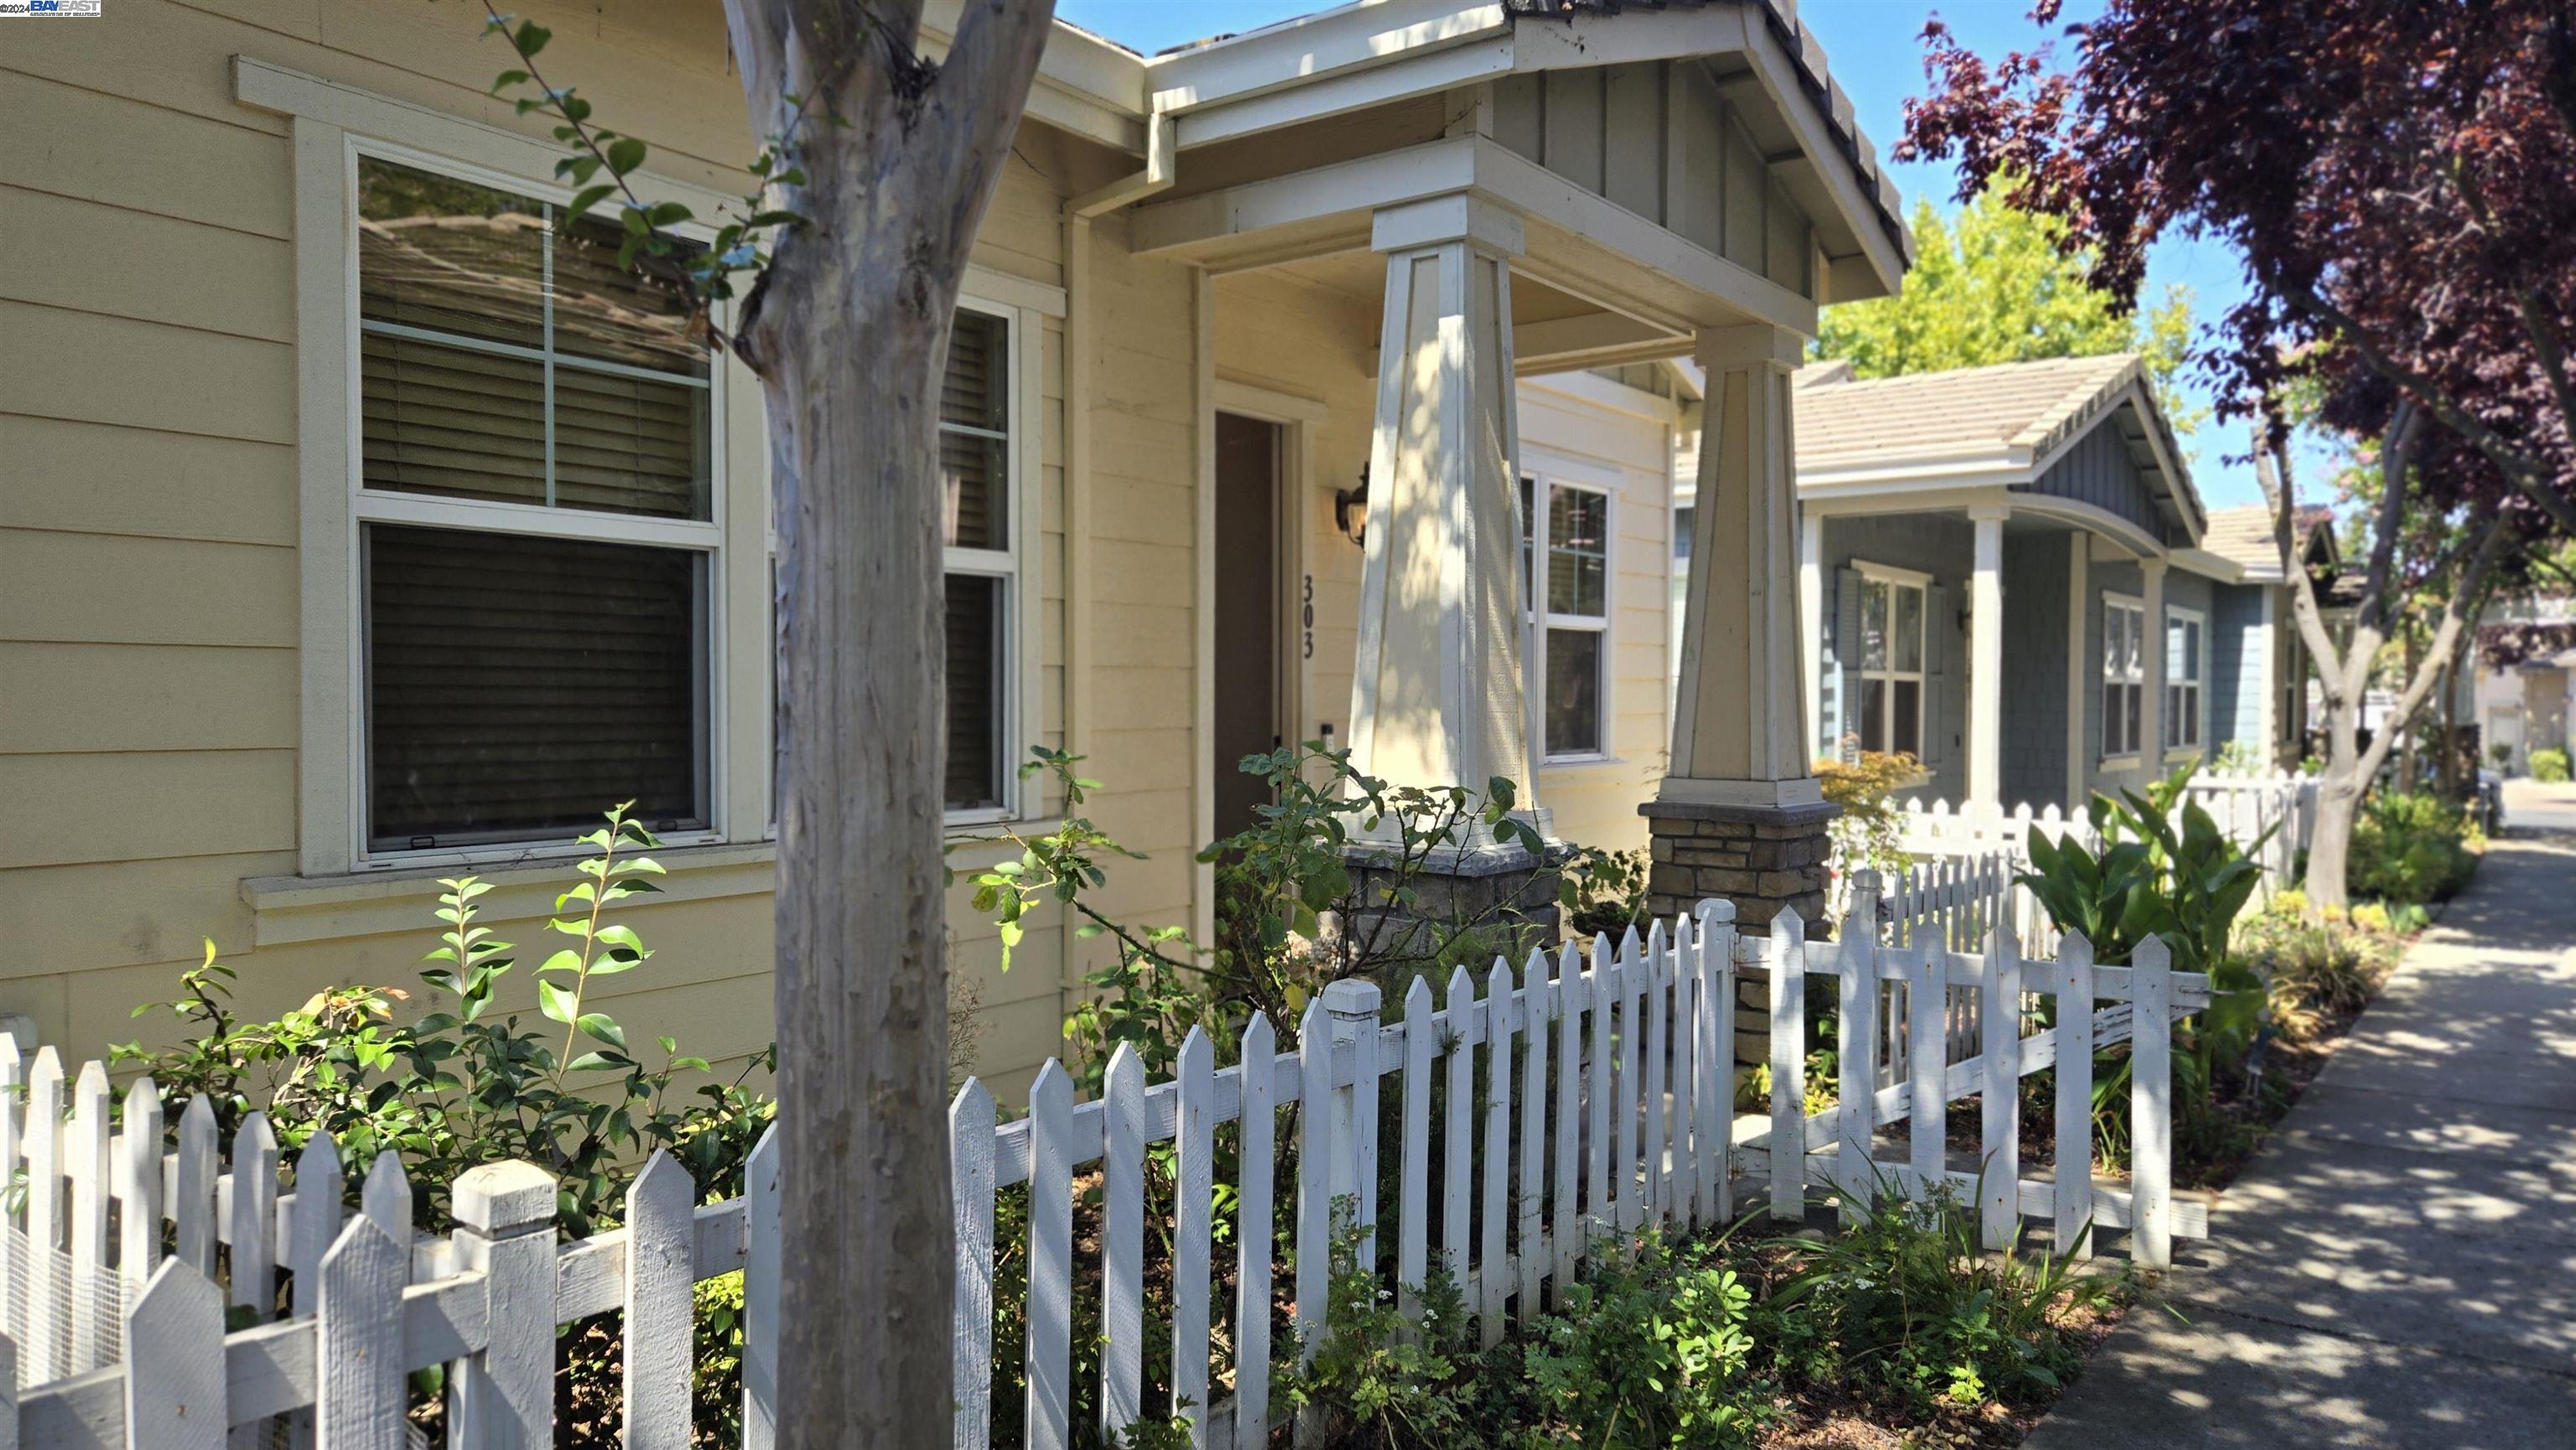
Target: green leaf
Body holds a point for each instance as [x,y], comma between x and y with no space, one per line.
[530,38]
[566,960]
[557,1003]
[625,154]
[603,1027]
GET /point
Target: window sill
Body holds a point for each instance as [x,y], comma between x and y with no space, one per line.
[2119,762]
[289,909]
[1583,769]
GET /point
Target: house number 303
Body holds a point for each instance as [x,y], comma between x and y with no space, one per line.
[1306,613]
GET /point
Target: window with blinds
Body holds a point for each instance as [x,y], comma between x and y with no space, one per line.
[975,474]
[528,666]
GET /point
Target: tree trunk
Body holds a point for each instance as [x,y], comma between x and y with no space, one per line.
[2330,847]
[848,330]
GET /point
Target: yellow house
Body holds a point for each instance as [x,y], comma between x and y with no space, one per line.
[362,525]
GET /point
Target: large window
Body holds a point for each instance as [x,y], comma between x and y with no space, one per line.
[1892,653]
[535,504]
[1570,613]
[2124,674]
[2185,631]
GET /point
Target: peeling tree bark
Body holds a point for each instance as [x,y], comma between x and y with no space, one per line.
[848,330]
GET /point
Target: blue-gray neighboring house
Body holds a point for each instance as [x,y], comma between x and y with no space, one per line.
[2006,572]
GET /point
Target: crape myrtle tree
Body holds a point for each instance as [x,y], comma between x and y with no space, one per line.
[875,167]
[2399,179]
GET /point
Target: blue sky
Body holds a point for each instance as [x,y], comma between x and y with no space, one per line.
[1875,50]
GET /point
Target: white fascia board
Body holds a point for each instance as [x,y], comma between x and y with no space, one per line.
[1299,52]
[1361,185]
[1852,197]
[1084,85]
[1427,72]
[2210,566]
[1600,392]
[1919,473]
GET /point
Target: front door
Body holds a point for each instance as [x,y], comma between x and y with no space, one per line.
[1248,466]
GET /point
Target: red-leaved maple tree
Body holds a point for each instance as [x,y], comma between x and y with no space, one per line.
[2399,178]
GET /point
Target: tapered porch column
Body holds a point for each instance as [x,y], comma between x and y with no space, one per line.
[1437,697]
[1986,660]
[1740,814]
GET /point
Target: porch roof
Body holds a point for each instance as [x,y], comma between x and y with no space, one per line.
[1987,428]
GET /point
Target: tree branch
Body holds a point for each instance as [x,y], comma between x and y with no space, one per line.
[2396,454]
[2465,603]
[2272,471]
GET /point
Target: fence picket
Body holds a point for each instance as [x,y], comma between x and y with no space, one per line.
[357,1341]
[2073,981]
[1456,1142]
[13,1322]
[1122,1244]
[47,1300]
[1314,1173]
[970,1165]
[1652,1200]
[138,1184]
[1857,978]
[313,1219]
[1050,1305]
[661,1249]
[1788,944]
[1526,1240]
[1565,1216]
[1628,1104]
[177,1327]
[761,1271]
[253,1285]
[1682,1182]
[1602,996]
[503,1398]
[1194,1200]
[1716,941]
[2151,1104]
[88,1163]
[1412,1227]
[1254,1224]
[1999,1166]
[386,1198]
[192,1188]
[1353,1006]
[1927,987]
[1490,1261]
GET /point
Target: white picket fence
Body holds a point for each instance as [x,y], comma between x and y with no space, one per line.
[1583,1098]
[2244,807]
[1955,901]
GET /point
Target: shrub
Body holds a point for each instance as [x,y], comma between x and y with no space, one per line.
[1656,1351]
[2549,766]
[2315,972]
[1868,835]
[2411,848]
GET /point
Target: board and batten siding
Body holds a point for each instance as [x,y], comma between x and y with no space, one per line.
[149,570]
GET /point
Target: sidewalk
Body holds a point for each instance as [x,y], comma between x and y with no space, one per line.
[2398,1266]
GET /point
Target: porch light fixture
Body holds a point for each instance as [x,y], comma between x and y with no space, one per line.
[1350,509]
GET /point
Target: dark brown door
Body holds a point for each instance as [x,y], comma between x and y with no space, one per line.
[1247,611]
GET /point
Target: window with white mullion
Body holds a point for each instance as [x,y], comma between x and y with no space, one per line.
[2186,635]
[538,541]
[1567,607]
[1893,610]
[2124,675]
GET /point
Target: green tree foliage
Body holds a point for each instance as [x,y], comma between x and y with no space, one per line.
[1995,285]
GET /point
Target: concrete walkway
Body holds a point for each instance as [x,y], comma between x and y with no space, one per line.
[2398,1266]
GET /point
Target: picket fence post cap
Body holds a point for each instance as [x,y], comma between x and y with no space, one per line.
[1715,908]
[500,1198]
[1352,997]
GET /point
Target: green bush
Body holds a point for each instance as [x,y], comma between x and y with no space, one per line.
[2549,766]
[2411,849]
[2314,972]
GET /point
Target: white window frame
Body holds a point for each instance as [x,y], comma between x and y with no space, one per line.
[364,506]
[1892,579]
[1544,480]
[2137,676]
[2179,721]
[1023,333]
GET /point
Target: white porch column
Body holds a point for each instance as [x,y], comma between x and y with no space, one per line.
[2151,732]
[2083,671]
[1986,660]
[1811,624]
[1740,736]
[1437,697]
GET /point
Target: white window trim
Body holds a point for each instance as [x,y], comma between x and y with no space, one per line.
[1023,673]
[1921,583]
[1546,477]
[327,119]
[2198,683]
[2102,676]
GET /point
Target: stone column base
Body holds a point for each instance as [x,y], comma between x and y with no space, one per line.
[1501,887]
[1762,858]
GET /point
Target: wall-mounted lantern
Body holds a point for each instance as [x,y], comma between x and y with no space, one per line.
[1351,509]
